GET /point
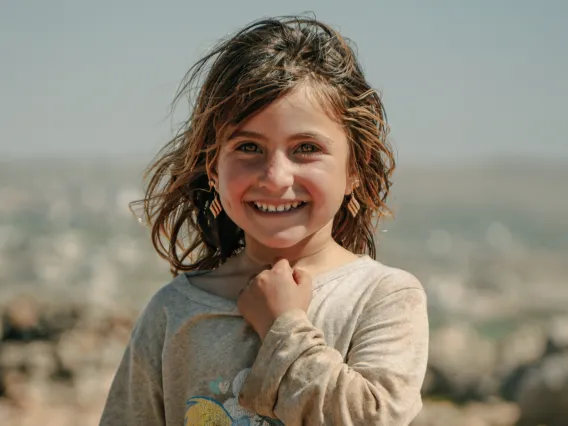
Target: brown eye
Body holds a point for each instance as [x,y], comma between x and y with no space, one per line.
[308,148]
[248,147]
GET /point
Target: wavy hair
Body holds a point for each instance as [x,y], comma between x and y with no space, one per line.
[238,78]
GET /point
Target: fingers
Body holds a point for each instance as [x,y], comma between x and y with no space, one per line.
[282,265]
[302,277]
[280,262]
[252,277]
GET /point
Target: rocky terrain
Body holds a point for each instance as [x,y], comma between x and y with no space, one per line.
[57,362]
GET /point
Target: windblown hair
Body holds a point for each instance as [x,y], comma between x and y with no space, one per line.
[237,79]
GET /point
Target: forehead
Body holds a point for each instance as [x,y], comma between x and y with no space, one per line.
[299,111]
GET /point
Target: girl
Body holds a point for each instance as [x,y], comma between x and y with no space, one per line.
[265,205]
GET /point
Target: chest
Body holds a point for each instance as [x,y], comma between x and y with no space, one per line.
[207,357]
[205,363]
[210,345]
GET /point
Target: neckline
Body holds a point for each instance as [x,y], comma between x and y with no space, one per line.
[212,300]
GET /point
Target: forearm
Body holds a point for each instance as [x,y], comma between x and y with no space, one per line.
[301,380]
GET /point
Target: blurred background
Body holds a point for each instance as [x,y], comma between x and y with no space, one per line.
[476,97]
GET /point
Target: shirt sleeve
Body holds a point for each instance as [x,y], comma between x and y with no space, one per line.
[136,394]
[300,380]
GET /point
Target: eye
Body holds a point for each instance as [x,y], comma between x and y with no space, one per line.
[248,147]
[308,148]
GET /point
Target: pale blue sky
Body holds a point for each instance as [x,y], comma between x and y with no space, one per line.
[460,79]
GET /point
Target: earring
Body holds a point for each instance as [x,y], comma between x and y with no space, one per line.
[215,206]
[353,205]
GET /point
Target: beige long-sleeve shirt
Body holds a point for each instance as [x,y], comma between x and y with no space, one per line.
[358,357]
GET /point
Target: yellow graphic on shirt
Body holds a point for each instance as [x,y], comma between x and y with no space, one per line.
[205,411]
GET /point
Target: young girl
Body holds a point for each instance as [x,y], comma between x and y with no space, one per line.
[265,205]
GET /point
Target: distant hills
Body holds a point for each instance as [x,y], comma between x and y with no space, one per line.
[528,197]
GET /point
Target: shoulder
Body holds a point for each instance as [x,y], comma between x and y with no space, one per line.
[395,300]
[153,320]
[389,279]
[369,283]
[389,282]
[164,297]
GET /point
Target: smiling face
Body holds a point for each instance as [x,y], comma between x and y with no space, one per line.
[282,175]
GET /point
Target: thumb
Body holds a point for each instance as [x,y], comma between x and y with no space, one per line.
[302,278]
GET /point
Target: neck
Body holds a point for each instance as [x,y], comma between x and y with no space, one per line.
[307,253]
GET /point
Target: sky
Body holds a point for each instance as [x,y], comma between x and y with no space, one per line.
[460,79]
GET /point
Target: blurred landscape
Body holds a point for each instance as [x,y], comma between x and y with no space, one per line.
[488,240]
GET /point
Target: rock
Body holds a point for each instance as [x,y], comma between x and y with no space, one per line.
[461,365]
[518,352]
[557,331]
[524,345]
[436,413]
[57,361]
[510,384]
[21,320]
[77,349]
[34,360]
[26,319]
[2,383]
[495,414]
[543,393]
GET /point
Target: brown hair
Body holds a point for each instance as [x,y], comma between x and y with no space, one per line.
[239,77]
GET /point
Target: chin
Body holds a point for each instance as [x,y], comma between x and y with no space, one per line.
[283,241]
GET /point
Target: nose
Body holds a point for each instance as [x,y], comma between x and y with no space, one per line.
[278,172]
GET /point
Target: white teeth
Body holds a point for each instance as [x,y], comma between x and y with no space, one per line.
[280,208]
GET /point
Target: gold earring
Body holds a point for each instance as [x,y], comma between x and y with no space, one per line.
[353,205]
[215,206]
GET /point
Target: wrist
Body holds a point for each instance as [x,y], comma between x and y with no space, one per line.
[280,321]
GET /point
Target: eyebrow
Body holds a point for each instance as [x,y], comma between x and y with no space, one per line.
[298,136]
[246,134]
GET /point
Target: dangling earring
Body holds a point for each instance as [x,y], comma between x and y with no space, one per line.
[353,205]
[215,206]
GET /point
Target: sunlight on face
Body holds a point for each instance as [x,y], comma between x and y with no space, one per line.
[282,175]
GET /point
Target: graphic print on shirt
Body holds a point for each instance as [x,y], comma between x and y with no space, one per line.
[202,410]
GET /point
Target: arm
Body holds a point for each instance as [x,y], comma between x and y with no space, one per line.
[299,379]
[136,394]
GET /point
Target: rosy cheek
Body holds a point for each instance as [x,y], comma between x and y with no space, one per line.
[237,172]
[234,178]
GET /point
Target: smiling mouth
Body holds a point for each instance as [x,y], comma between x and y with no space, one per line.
[282,208]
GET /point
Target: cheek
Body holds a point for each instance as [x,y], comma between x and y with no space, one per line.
[233,181]
[326,186]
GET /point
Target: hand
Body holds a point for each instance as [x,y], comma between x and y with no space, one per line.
[272,293]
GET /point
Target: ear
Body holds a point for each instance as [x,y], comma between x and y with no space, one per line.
[213,176]
[352,183]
